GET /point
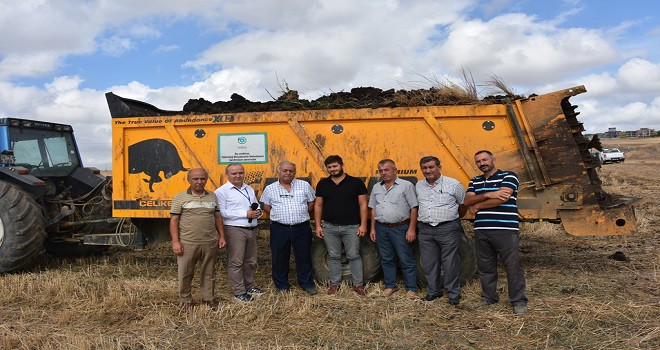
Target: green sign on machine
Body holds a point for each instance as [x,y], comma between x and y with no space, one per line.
[246,148]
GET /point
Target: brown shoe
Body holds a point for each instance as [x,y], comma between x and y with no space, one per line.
[213,304]
[410,295]
[360,290]
[333,289]
[389,291]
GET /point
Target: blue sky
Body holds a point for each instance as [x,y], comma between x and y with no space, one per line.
[59,58]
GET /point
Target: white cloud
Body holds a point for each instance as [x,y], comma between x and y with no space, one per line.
[640,75]
[598,116]
[115,46]
[524,50]
[31,65]
[63,101]
[167,48]
[334,44]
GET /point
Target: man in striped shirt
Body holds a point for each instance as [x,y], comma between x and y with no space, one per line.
[491,198]
[197,233]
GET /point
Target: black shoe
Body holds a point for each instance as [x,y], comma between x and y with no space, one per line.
[430,297]
[256,291]
[244,298]
[520,309]
[453,302]
[311,290]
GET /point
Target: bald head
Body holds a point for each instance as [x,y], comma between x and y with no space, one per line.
[197,179]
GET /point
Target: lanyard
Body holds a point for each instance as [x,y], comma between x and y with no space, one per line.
[246,194]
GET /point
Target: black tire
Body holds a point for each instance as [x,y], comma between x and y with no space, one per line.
[466,253]
[368,253]
[23,232]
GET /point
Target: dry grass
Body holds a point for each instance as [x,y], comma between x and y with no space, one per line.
[579,298]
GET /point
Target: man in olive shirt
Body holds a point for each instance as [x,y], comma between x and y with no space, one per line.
[196,230]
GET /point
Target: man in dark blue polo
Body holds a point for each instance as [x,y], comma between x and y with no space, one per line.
[491,198]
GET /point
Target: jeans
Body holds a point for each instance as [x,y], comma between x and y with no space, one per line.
[334,236]
[392,244]
[282,238]
[490,244]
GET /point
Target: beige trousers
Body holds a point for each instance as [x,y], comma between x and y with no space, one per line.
[207,255]
[241,258]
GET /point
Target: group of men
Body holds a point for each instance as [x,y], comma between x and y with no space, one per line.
[202,221]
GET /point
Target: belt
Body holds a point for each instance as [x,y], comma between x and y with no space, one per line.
[396,223]
[290,225]
[331,224]
[244,227]
[440,223]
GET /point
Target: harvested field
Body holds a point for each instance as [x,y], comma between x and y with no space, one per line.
[582,295]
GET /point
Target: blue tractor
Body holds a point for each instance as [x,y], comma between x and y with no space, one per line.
[48,200]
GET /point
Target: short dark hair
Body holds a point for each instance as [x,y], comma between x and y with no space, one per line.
[386,161]
[231,165]
[485,151]
[429,159]
[333,159]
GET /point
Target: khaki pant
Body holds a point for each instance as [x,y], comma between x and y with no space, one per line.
[241,258]
[207,255]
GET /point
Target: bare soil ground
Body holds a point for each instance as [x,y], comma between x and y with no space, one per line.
[579,297]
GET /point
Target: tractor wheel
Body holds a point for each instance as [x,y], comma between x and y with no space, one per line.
[466,252]
[368,253]
[22,229]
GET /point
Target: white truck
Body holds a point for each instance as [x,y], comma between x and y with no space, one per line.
[611,155]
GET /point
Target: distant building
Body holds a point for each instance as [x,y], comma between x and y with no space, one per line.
[645,132]
[612,133]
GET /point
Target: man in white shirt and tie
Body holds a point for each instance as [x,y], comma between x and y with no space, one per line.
[240,210]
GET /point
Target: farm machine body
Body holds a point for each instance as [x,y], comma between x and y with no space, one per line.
[48,200]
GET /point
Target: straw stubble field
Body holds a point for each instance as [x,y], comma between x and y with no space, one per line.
[579,297]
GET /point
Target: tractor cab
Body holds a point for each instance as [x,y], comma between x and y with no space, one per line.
[45,149]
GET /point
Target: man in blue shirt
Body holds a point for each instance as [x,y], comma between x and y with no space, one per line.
[491,198]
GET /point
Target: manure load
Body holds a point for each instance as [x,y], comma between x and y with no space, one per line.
[538,137]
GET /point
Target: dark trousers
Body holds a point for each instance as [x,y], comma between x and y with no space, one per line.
[438,246]
[282,238]
[490,244]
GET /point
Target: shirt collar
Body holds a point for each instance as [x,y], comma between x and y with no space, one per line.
[342,180]
[495,173]
[439,180]
[396,181]
[234,186]
[189,191]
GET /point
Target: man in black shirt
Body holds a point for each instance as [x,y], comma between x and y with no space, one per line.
[340,213]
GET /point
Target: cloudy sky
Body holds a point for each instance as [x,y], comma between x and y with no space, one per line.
[58,58]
